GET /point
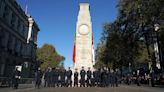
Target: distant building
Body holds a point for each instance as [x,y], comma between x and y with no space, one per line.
[18,40]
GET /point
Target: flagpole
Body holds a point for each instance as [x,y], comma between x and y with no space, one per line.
[26,7]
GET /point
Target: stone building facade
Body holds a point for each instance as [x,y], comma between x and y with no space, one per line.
[16,48]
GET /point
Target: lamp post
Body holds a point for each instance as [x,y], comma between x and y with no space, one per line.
[156,47]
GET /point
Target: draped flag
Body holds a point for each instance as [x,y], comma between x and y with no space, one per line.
[93,52]
[74,52]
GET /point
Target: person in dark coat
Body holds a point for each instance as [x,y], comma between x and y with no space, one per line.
[76,74]
[89,74]
[99,77]
[38,77]
[49,77]
[63,76]
[16,78]
[94,79]
[104,78]
[82,75]
[46,78]
[112,76]
[55,76]
[69,78]
[116,79]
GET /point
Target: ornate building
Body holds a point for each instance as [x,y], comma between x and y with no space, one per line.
[18,37]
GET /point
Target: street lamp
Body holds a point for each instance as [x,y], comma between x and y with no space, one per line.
[156,47]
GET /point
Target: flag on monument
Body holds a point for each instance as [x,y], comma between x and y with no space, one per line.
[74,52]
[93,52]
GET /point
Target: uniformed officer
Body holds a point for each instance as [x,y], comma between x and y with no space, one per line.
[82,75]
[69,77]
[89,74]
[76,78]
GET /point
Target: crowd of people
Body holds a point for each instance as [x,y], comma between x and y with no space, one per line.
[84,78]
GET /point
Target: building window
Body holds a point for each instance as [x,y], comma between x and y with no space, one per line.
[9,44]
[18,25]
[24,32]
[13,20]
[2,6]
[6,13]
[1,37]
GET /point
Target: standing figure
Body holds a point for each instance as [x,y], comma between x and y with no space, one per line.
[89,73]
[112,76]
[82,75]
[46,78]
[15,78]
[116,79]
[76,74]
[63,75]
[38,77]
[49,77]
[55,76]
[69,78]
[94,79]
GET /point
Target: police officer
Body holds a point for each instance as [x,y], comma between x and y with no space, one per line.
[89,73]
[76,78]
[82,75]
[15,78]
[69,77]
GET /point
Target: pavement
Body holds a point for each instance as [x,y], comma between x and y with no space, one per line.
[121,88]
[21,87]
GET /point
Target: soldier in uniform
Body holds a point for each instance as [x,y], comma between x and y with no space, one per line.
[89,73]
[76,78]
[15,78]
[82,75]
[69,77]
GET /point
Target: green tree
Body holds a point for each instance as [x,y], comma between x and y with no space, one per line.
[134,24]
[49,56]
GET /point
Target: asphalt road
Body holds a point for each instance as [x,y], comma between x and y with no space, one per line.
[122,88]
